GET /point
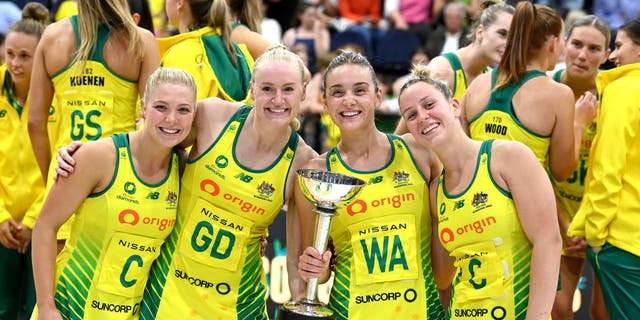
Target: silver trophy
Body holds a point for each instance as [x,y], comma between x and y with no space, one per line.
[328,191]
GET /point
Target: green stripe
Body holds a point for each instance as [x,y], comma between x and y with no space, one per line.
[158,276]
[251,303]
[522,271]
[75,280]
[340,295]
[434,306]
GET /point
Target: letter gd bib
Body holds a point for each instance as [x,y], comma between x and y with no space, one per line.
[214,237]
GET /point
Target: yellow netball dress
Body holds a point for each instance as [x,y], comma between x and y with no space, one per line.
[91,103]
[481,230]
[459,78]
[383,243]
[498,121]
[103,268]
[569,192]
[211,267]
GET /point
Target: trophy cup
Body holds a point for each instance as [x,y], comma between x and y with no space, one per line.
[327,191]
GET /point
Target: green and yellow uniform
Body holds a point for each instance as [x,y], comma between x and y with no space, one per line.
[117,234]
[383,243]
[92,103]
[569,192]
[481,229]
[202,54]
[459,86]
[498,120]
[211,266]
[21,190]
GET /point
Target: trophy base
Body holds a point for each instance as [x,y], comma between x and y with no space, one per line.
[304,310]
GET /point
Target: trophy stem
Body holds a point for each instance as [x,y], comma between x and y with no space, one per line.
[320,239]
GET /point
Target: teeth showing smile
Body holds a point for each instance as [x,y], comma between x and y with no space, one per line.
[169,131]
[349,113]
[429,128]
[277,110]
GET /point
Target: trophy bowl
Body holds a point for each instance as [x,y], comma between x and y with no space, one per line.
[328,191]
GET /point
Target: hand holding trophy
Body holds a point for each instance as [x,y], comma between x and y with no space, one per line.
[328,191]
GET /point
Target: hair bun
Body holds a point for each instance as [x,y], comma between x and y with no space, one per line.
[420,71]
[35,11]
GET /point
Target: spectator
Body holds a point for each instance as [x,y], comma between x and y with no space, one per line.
[411,15]
[452,35]
[312,32]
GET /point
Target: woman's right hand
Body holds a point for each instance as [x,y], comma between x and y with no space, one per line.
[65,160]
[49,314]
[312,264]
[586,108]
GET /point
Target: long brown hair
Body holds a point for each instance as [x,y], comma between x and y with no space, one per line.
[531,26]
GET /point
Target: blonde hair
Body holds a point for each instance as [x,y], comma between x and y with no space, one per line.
[115,15]
[421,73]
[169,75]
[279,53]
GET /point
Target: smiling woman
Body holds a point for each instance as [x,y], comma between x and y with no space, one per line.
[499,241]
[115,230]
[390,214]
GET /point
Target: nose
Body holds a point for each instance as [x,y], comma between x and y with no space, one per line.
[171,116]
[277,97]
[423,114]
[613,56]
[349,98]
[582,54]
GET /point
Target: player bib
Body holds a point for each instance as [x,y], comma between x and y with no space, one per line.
[384,250]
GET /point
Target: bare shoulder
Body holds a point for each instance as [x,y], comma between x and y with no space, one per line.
[146,34]
[62,28]
[304,154]
[58,45]
[441,70]
[148,38]
[477,96]
[511,156]
[424,157]
[212,115]
[96,161]
[547,89]
[215,110]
